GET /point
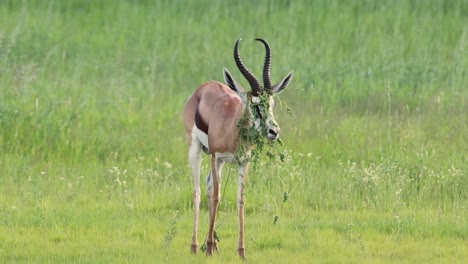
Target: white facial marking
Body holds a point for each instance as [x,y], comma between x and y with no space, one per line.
[266,120]
[271,125]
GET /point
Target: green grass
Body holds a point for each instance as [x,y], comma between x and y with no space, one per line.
[94,160]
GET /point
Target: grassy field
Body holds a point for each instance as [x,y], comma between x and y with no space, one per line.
[92,149]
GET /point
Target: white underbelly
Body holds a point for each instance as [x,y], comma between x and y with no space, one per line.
[200,135]
[203,138]
[225,156]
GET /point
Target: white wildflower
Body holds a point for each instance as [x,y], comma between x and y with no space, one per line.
[167,164]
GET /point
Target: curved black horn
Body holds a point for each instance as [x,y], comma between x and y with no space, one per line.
[254,84]
[267,66]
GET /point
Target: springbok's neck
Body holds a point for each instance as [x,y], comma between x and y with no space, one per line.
[248,134]
[245,122]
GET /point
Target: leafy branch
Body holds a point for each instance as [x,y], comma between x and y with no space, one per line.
[253,138]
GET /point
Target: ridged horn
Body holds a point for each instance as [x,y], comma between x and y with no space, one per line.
[267,65]
[254,84]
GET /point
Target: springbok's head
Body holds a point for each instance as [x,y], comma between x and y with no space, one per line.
[259,102]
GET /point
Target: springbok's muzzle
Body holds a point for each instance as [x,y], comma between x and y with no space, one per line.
[273,133]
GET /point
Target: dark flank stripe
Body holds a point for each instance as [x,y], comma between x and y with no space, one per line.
[200,123]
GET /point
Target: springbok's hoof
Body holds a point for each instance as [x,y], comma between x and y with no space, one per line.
[241,253]
[194,249]
[211,247]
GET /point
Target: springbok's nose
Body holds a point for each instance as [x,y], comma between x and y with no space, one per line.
[273,132]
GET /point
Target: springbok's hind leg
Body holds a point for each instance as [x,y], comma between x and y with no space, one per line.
[195,163]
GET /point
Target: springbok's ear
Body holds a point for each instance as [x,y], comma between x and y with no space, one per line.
[234,85]
[282,84]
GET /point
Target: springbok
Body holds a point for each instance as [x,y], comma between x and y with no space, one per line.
[213,117]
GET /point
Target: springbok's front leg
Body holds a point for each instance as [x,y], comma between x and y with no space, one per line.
[242,174]
[213,182]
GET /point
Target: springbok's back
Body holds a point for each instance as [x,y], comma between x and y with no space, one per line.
[211,109]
